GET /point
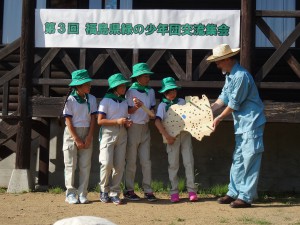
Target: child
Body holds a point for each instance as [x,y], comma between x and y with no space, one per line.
[138,142]
[113,113]
[182,143]
[80,113]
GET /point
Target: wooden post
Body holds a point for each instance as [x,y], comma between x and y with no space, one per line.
[248,9]
[25,86]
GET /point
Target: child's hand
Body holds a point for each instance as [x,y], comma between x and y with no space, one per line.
[128,123]
[152,116]
[79,143]
[170,139]
[121,121]
[137,103]
[88,141]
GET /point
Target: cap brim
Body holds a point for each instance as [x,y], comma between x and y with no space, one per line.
[141,73]
[77,83]
[169,88]
[218,58]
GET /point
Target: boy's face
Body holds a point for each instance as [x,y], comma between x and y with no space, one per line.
[143,79]
[171,94]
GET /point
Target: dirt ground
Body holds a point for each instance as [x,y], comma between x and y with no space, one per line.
[45,209]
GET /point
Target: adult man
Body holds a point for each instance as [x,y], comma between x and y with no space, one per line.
[241,98]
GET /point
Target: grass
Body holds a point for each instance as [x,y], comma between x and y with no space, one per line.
[250,220]
[217,190]
[2,190]
[56,190]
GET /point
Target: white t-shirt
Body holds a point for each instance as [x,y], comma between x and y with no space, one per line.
[81,117]
[140,116]
[113,109]
[161,109]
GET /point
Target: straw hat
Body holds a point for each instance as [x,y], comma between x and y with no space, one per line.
[168,83]
[80,77]
[222,51]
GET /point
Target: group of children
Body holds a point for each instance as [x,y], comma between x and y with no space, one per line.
[124,135]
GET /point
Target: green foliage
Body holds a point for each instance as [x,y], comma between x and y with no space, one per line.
[96,188]
[157,186]
[251,220]
[56,190]
[217,190]
[181,185]
[2,190]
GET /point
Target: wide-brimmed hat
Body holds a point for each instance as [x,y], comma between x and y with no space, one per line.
[117,79]
[80,77]
[140,69]
[222,51]
[168,83]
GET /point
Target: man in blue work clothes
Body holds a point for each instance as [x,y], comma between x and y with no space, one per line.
[241,98]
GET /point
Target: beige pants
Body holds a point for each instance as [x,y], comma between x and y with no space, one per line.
[182,144]
[138,143]
[71,155]
[112,158]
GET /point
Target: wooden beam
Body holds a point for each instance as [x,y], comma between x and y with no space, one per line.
[45,62]
[175,65]
[25,86]
[247,33]
[47,107]
[189,64]
[187,84]
[286,112]
[201,68]
[271,13]
[265,69]
[42,126]
[272,37]
[82,58]
[14,72]
[135,56]
[98,62]
[119,62]
[65,58]
[7,50]
[5,99]
[155,57]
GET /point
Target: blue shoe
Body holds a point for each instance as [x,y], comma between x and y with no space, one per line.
[104,197]
[71,198]
[116,200]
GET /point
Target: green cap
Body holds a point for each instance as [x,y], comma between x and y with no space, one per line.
[80,77]
[168,83]
[140,69]
[117,79]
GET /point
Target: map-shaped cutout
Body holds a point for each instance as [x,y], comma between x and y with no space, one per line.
[195,116]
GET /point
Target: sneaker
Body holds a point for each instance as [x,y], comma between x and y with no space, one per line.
[193,196]
[174,197]
[116,200]
[71,198]
[150,197]
[83,200]
[130,195]
[104,197]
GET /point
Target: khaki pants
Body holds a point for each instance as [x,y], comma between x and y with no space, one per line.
[182,144]
[138,143]
[71,155]
[112,158]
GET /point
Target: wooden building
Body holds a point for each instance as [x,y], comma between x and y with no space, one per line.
[33,81]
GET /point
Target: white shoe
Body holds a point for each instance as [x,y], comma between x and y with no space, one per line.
[71,198]
[83,200]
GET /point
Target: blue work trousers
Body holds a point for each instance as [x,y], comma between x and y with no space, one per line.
[244,172]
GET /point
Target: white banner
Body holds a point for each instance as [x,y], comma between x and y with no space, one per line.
[136,29]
